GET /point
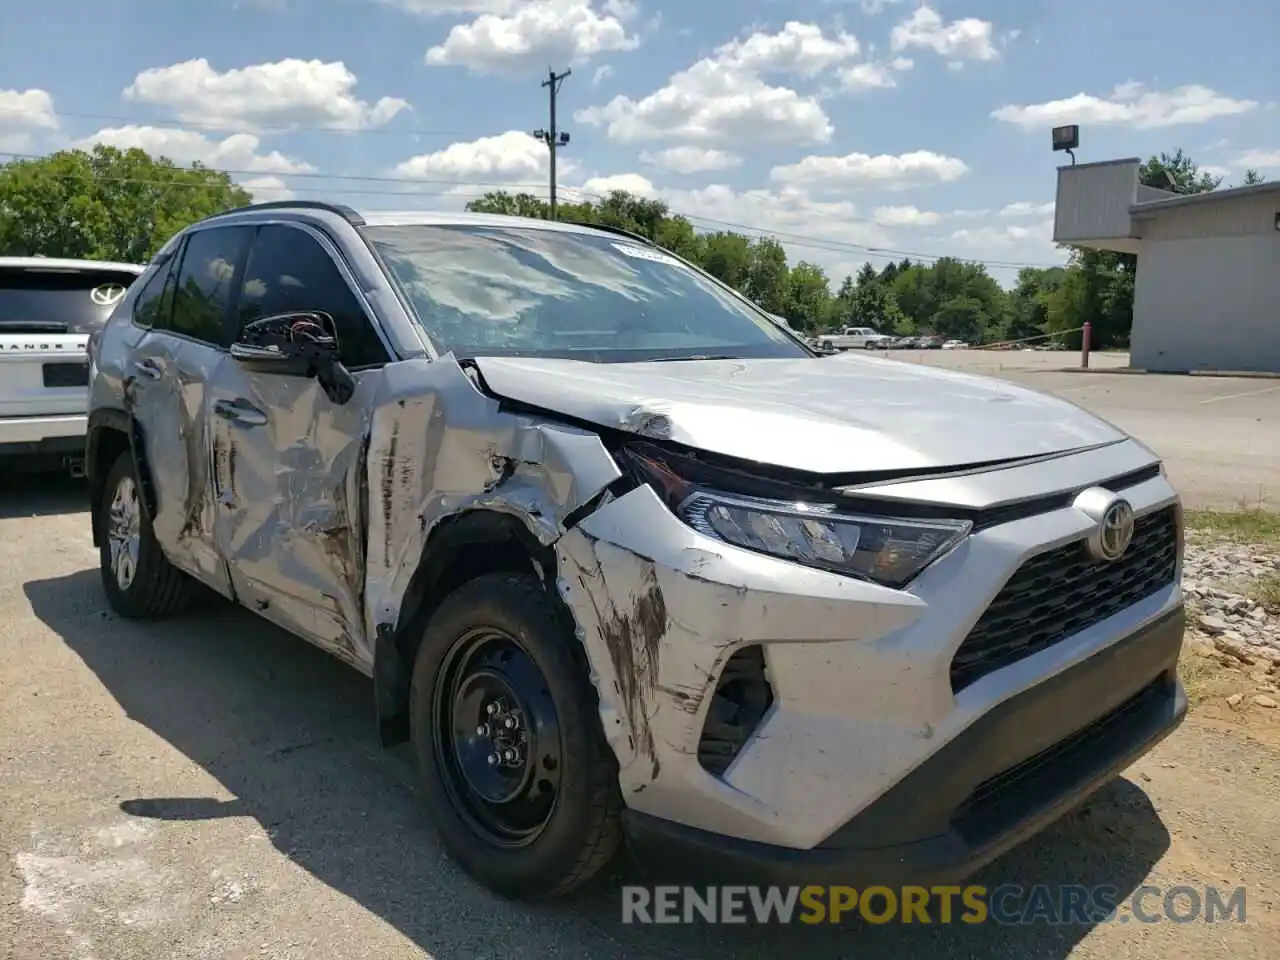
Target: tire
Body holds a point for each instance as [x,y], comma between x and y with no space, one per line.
[154,589]
[582,831]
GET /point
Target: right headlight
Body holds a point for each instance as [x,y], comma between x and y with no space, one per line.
[890,551]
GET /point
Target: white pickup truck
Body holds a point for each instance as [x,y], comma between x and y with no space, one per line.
[853,338]
[49,308]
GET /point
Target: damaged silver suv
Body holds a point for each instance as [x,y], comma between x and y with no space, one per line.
[626,559]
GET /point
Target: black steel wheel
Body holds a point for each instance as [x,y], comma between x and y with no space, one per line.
[497,737]
[505,723]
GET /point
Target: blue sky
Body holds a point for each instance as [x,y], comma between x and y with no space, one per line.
[853,130]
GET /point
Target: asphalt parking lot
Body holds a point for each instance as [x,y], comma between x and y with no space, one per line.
[1220,436]
[211,788]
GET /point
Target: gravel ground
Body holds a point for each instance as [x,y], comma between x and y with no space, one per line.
[212,789]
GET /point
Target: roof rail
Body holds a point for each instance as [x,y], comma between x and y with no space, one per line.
[609,228]
[347,213]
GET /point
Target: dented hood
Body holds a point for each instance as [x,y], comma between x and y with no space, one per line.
[831,415]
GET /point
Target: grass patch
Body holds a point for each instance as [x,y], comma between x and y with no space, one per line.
[1248,526]
[1266,590]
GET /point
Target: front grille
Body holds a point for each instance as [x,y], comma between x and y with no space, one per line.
[66,374]
[1064,591]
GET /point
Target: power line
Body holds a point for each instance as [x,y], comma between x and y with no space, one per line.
[792,239]
[552,137]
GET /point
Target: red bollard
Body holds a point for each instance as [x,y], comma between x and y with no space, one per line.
[1084,345]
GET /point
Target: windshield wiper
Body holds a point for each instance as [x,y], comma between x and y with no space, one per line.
[696,356]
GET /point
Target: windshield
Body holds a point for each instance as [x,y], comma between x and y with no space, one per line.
[521,291]
[50,300]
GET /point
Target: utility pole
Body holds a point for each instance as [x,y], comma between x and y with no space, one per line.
[552,137]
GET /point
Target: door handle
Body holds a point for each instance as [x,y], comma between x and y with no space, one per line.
[240,411]
[148,368]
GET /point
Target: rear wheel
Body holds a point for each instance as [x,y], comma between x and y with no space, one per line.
[517,776]
[139,581]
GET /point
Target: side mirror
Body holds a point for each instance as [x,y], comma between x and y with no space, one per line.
[302,344]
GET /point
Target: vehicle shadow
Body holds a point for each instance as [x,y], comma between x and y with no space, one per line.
[40,494]
[288,731]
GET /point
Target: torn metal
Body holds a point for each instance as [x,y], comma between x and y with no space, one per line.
[438,448]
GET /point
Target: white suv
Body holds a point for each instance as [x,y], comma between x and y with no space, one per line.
[49,309]
[621,555]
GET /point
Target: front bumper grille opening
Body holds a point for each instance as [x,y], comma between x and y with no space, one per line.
[1061,592]
[742,698]
[1012,793]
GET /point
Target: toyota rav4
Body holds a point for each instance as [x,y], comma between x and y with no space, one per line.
[624,558]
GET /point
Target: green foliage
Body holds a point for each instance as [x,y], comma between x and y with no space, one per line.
[105,204]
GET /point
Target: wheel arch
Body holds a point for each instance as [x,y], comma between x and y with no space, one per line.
[112,431]
[459,549]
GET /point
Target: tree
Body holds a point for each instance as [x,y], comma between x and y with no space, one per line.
[727,257]
[105,203]
[1177,172]
[874,306]
[511,205]
[767,275]
[1252,177]
[809,296]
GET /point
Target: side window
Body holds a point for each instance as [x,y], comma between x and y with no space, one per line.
[206,279]
[289,271]
[151,309]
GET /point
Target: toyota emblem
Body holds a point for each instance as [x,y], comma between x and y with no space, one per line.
[1114,520]
[107,294]
[1115,531]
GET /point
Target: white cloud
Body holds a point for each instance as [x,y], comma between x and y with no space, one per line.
[267,189]
[992,241]
[861,170]
[513,158]
[22,113]
[1130,104]
[723,98]
[1024,209]
[602,74]
[598,187]
[709,104]
[798,48]
[965,39]
[534,33]
[287,93]
[873,76]
[691,159]
[1259,159]
[240,151]
[904,217]
[1215,171]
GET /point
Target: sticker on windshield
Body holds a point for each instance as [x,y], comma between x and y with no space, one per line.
[643,253]
[107,294]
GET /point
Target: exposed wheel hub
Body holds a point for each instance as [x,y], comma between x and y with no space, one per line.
[504,728]
[124,532]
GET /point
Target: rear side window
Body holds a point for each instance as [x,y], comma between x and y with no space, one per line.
[206,279]
[289,271]
[53,300]
[155,300]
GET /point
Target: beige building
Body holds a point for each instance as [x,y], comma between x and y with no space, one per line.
[1207,291]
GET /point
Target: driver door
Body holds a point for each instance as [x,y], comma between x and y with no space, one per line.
[287,459]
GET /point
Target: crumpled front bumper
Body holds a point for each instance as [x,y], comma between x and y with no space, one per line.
[865,745]
[980,795]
